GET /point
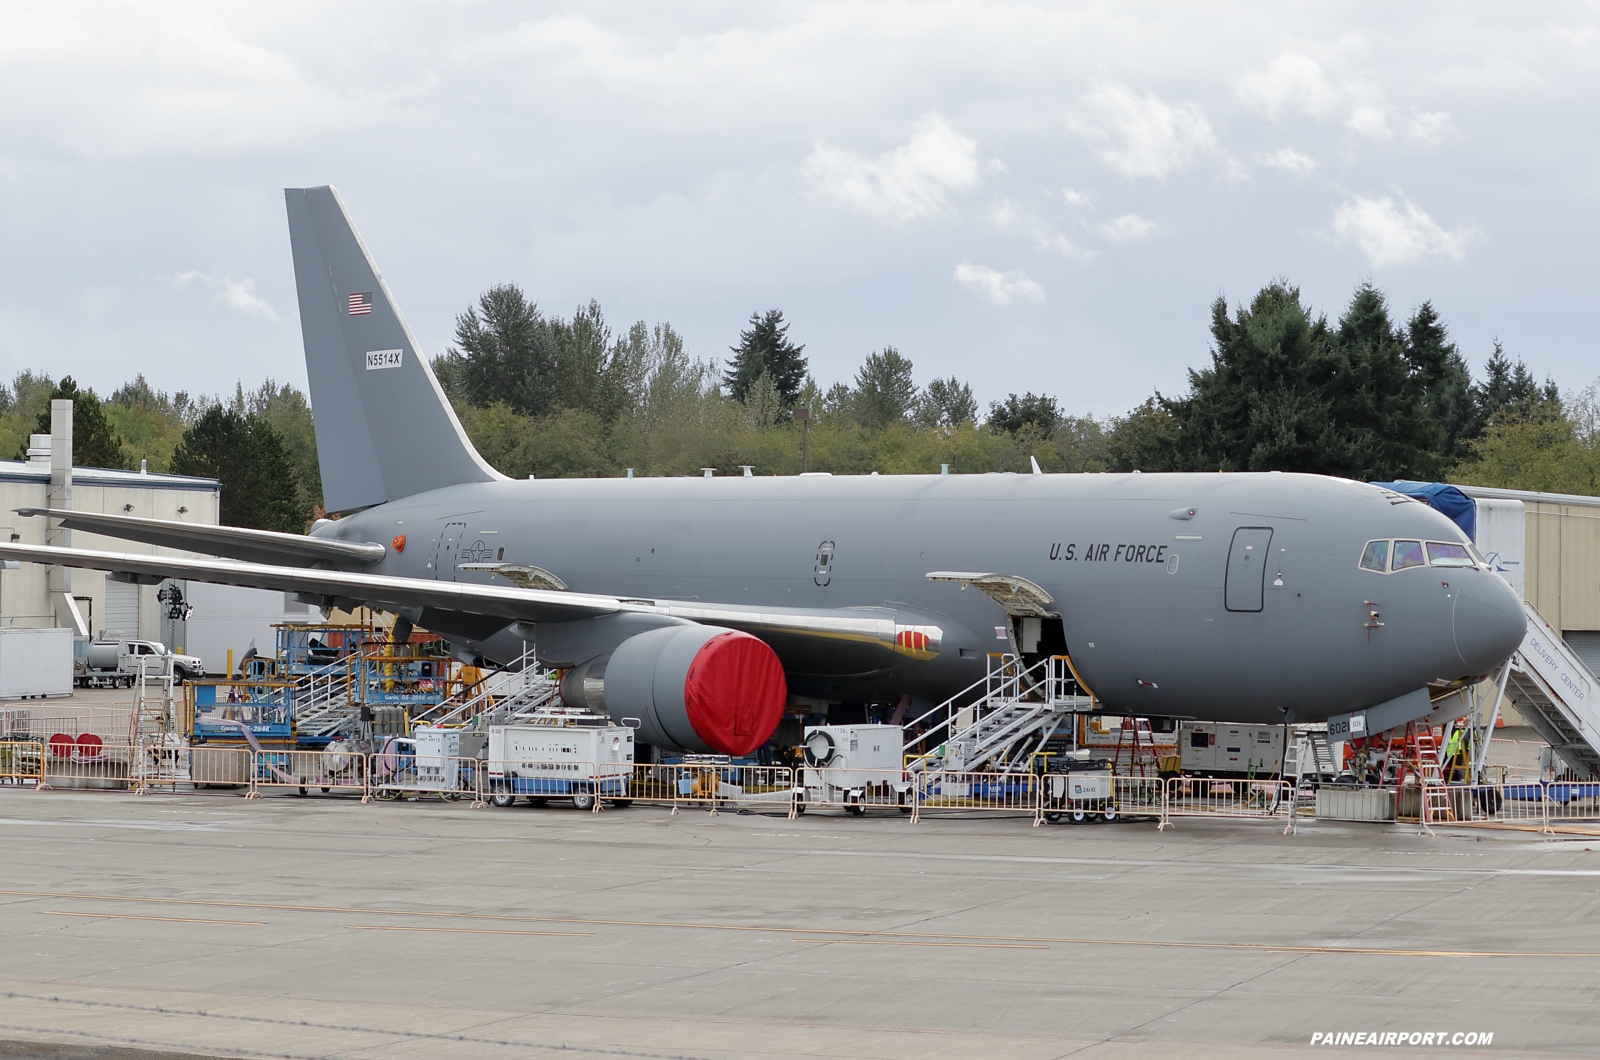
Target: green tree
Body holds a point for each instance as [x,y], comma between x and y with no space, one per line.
[248,457]
[1285,392]
[765,347]
[505,351]
[286,408]
[1012,414]
[1446,380]
[946,403]
[1507,387]
[884,392]
[1551,444]
[94,442]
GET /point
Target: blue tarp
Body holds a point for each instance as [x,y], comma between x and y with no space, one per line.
[1454,504]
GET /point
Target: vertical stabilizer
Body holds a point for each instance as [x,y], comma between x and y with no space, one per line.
[384,427]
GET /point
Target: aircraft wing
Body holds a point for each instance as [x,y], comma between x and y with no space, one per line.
[256,546]
[790,630]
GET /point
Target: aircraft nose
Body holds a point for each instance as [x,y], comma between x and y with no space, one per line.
[1489,621]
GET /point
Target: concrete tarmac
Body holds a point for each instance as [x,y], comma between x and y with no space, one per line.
[211,925]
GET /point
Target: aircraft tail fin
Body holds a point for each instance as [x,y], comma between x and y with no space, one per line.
[385,429]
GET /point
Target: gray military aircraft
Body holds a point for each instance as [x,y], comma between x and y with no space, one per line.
[695,608]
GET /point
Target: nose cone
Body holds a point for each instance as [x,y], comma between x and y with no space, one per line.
[1489,621]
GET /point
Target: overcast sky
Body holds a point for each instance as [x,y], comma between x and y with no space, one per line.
[1029,197]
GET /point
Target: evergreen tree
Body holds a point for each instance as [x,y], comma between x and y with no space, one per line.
[1012,414]
[765,347]
[884,391]
[1446,380]
[94,442]
[1285,392]
[504,351]
[242,450]
[1507,387]
[946,403]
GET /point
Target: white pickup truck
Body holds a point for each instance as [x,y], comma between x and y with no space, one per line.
[111,663]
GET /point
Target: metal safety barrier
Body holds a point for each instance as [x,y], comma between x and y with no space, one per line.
[587,784]
[395,774]
[306,771]
[941,791]
[88,762]
[714,786]
[1205,797]
[22,762]
[855,790]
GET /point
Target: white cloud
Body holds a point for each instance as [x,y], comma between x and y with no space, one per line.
[1077,198]
[1369,121]
[1431,128]
[1291,82]
[910,182]
[1001,288]
[1289,160]
[1127,228]
[1060,244]
[236,294]
[1142,136]
[1390,234]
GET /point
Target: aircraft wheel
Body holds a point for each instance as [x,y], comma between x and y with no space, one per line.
[1079,816]
[502,801]
[1053,816]
[583,800]
[799,807]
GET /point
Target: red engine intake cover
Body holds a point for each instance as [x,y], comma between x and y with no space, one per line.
[734,693]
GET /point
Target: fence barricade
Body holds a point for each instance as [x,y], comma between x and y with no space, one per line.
[1140,797]
[587,785]
[22,762]
[86,761]
[940,790]
[1525,804]
[1572,801]
[323,771]
[161,762]
[403,773]
[213,767]
[714,786]
[855,790]
[1206,797]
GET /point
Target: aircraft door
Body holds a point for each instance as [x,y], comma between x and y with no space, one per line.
[447,551]
[1247,568]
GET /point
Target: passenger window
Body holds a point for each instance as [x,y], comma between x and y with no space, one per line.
[1408,554]
[1376,556]
[1443,554]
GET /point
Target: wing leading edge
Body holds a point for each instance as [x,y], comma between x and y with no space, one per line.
[897,631]
[234,542]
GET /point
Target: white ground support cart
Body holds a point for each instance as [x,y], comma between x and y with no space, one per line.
[1079,788]
[439,761]
[559,756]
[855,766]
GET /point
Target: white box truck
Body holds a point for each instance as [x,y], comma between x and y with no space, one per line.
[35,662]
[563,759]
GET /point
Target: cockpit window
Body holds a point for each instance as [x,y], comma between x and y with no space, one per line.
[1408,554]
[1443,554]
[1376,556]
[1472,550]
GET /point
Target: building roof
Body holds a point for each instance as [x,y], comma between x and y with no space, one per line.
[1494,494]
[33,471]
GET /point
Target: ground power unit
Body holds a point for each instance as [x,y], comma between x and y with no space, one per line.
[1220,749]
[856,766]
[559,760]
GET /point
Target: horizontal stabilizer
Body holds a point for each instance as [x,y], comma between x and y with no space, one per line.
[233,542]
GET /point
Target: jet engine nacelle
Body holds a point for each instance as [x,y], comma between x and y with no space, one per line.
[706,689]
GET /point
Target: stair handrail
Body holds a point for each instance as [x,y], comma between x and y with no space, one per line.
[992,692]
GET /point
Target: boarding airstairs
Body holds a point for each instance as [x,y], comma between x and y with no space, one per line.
[1556,694]
[999,722]
[507,697]
[322,703]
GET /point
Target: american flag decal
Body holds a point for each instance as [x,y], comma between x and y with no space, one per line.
[360,304]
